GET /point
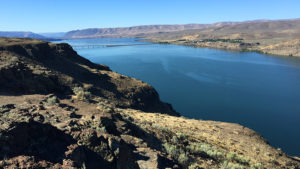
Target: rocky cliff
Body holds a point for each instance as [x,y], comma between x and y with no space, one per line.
[59,110]
[37,67]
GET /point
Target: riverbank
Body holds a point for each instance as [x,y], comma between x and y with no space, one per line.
[194,80]
[268,37]
[287,48]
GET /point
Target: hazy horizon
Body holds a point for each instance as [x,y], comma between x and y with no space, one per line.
[176,24]
[62,16]
[151,25]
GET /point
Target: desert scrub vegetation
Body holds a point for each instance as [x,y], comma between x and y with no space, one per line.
[82,94]
[227,160]
[10,115]
[160,128]
[256,166]
[229,165]
[205,150]
[195,166]
[13,60]
[102,129]
[183,159]
[178,138]
[223,40]
[233,157]
[51,101]
[104,106]
[177,153]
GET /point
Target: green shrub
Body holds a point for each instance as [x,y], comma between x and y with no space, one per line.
[205,149]
[195,166]
[183,159]
[102,104]
[51,101]
[173,150]
[13,60]
[102,129]
[175,140]
[177,153]
[233,157]
[229,165]
[81,94]
[181,136]
[243,161]
[256,166]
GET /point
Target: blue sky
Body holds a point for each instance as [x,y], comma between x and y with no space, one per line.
[66,15]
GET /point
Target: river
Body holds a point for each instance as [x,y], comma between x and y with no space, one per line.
[258,91]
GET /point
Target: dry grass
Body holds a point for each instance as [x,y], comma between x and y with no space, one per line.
[232,141]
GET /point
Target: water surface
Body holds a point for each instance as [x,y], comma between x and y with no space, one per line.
[258,91]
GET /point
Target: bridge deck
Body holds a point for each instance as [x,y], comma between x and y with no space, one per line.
[102,46]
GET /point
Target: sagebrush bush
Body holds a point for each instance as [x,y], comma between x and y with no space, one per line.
[206,149]
[256,166]
[81,94]
[178,138]
[228,165]
[233,157]
[177,153]
[181,136]
[13,60]
[173,150]
[183,159]
[51,101]
[195,166]
[175,140]
[102,129]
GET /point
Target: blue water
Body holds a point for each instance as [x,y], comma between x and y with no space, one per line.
[258,91]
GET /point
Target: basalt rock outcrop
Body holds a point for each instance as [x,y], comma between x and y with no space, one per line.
[38,67]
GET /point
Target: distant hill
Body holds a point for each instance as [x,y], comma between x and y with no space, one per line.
[264,28]
[267,26]
[137,30]
[21,35]
[140,31]
[279,37]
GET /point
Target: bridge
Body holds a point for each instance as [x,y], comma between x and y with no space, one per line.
[103,46]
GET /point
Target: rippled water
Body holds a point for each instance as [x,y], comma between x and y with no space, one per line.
[258,91]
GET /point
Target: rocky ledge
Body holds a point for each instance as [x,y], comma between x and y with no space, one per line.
[59,110]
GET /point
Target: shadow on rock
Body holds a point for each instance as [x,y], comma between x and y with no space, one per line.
[35,139]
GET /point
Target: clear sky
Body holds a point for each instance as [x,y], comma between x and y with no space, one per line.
[65,15]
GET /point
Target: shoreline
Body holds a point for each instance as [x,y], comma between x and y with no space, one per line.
[224,48]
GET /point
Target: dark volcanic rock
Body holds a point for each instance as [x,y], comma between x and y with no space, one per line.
[32,66]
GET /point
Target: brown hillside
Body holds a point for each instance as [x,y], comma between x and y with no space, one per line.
[254,36]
